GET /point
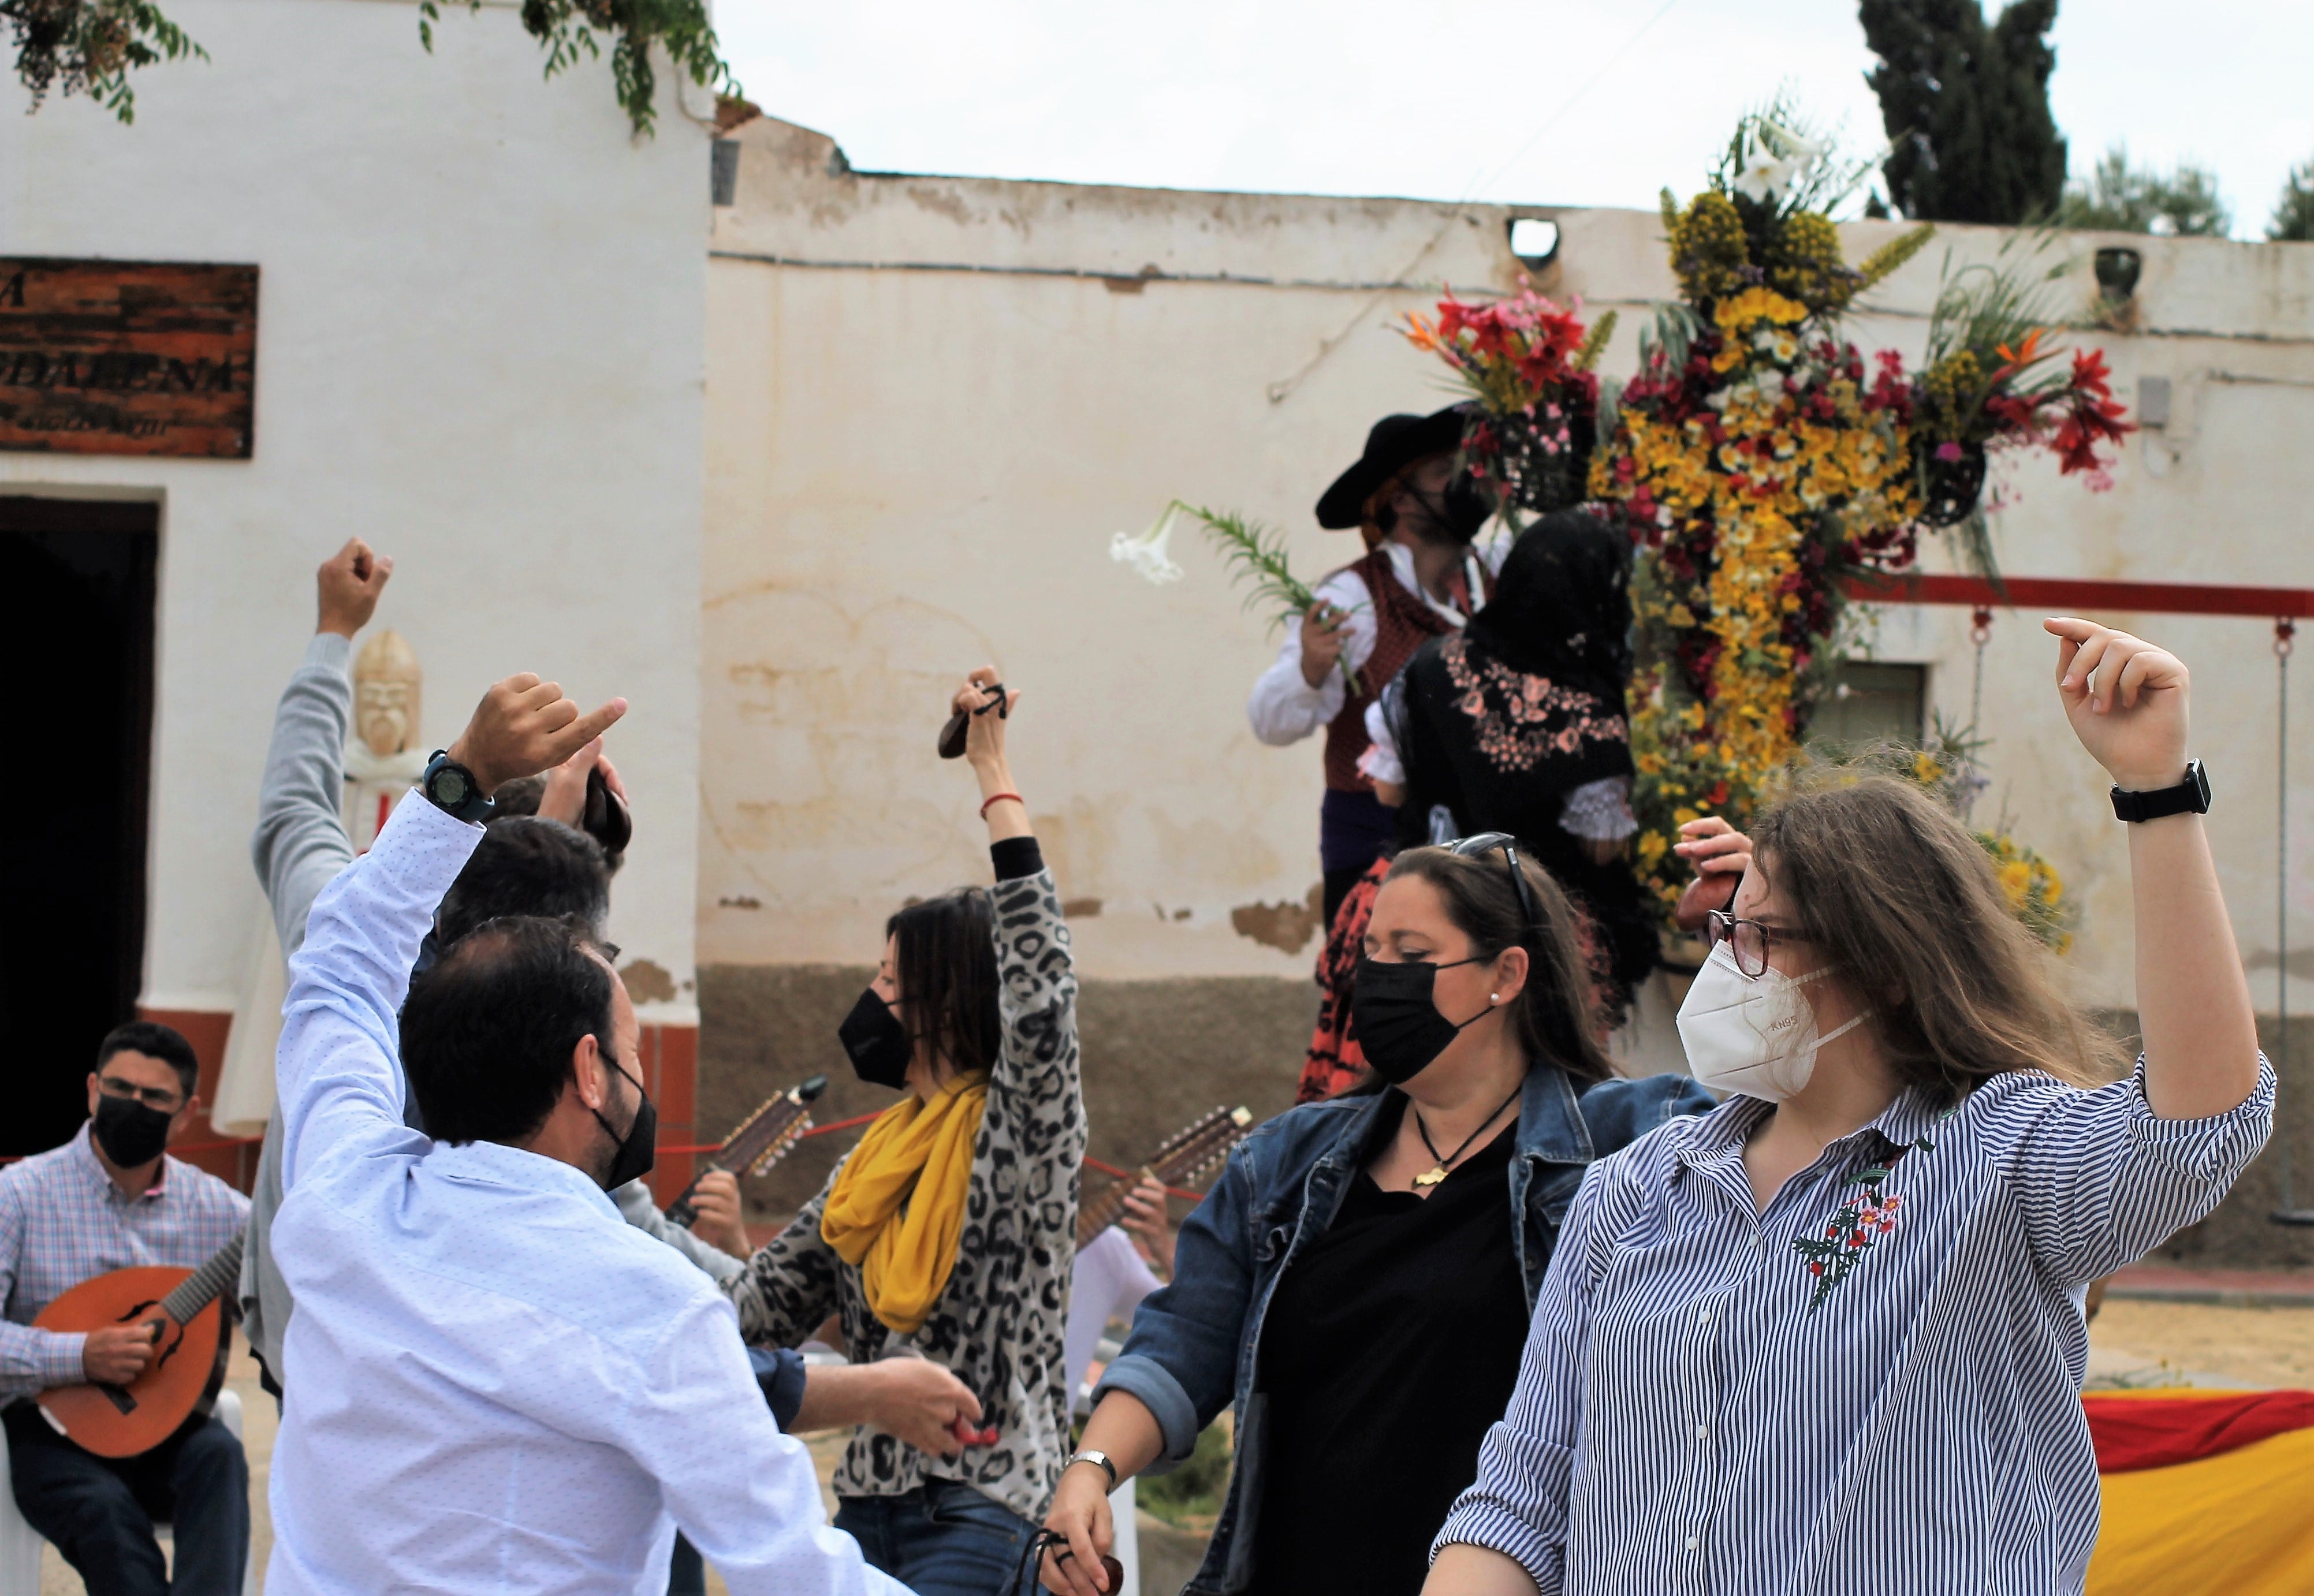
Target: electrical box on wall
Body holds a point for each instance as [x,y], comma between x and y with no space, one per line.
[2153,402]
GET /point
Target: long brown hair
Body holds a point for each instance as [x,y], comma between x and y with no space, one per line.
[1552,1016]
[1903,902]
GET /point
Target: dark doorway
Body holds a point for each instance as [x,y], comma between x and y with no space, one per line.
[76,592]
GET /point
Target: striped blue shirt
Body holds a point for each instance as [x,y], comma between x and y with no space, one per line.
[1873,1385]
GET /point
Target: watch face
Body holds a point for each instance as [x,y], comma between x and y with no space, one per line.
[450,787]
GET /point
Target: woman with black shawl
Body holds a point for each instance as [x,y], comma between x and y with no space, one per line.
[1517,723]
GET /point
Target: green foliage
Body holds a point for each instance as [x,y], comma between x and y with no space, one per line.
[1966,108]
[568,28]
[2293,213]
[89,46]
[1194,1491]
[1256,553]
[2118,198]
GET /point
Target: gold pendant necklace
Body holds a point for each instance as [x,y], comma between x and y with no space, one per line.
[1437,1173]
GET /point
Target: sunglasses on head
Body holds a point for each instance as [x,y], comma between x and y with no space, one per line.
[1487,843]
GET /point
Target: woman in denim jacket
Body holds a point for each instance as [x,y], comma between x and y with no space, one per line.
[1356,1284]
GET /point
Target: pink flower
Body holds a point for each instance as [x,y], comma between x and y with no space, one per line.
[1949,451]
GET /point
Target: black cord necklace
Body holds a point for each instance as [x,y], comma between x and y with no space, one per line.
[1432,1177]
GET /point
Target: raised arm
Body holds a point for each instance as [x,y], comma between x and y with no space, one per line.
[2127,701]
[338,1086]
[300,842]
[1037,997]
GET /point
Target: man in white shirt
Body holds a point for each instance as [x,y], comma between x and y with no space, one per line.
[1421,578]
[494,1383]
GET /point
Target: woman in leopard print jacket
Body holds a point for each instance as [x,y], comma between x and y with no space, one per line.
[976,994]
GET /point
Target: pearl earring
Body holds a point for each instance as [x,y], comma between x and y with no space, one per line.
[1494,997]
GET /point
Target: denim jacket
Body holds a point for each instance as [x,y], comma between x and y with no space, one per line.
[1196,1345]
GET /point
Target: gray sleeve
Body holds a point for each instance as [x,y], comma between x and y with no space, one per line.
[300,842]
[636,1207]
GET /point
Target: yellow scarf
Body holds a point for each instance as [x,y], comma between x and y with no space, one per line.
[897,1208]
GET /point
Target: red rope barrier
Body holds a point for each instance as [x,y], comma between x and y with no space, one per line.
[2069,593]
[1171,1191]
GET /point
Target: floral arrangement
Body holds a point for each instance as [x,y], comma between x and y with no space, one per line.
[1990,383]
[1527,365]
[1758,458]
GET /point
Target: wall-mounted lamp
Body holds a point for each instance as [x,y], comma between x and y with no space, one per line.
[1534,240]
[2117,269]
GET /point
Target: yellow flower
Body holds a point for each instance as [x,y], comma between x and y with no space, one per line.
[2015,880]
[1925,769]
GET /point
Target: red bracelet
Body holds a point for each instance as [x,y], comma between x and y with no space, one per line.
[998,798]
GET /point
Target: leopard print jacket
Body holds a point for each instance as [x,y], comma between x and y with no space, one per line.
[998,1325]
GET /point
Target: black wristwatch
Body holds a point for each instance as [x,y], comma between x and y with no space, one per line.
[2193,793]
[450,787]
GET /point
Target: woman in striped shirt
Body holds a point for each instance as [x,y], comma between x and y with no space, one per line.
[1829,1336]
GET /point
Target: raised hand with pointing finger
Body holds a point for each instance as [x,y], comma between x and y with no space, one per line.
[523,726]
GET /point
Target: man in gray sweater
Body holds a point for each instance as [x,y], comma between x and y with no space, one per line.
[300,845]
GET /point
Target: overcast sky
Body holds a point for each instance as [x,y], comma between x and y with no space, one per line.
[1438,99]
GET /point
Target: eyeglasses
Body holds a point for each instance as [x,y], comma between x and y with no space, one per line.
[152,1096]
[1748,941]
[1486,842]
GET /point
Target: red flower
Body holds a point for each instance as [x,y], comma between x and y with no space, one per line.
[1815,1268]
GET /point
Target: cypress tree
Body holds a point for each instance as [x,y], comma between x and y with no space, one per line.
[2293,213]
[1966,108]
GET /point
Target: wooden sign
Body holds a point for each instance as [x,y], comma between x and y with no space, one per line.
[127,357]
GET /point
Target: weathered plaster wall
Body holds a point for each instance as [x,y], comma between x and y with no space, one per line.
[479,344]
[933,399]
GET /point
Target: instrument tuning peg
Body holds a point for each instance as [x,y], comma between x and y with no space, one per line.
[810,1089]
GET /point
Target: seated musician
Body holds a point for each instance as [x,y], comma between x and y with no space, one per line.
[112,1199]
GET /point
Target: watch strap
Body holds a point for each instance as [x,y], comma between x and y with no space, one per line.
[450,787]
[1087,1455]
[2190,796]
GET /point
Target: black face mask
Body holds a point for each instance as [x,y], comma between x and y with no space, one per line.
[878,1044]
[1457,514]
[1398,1026]
[632,1154]
[130,1133]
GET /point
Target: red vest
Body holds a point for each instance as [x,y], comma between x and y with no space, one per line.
[1402,623]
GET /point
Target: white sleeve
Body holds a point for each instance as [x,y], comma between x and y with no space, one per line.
[338,1067]
[1284,708]
[1382,761]
[747,1496]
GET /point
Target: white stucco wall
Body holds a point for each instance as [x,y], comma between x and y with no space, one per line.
[478,347]
[914,466]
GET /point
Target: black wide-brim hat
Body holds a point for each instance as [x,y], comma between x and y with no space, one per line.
[1396,441]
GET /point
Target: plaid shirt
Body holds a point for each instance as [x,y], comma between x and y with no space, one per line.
[62,1220]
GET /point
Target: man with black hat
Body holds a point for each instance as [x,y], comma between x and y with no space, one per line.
[1421,578]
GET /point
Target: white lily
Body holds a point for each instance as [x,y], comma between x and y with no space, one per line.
[1764,178]
[1147,554]
[1803,153]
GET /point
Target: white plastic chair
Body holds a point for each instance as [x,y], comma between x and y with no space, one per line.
[20,1544]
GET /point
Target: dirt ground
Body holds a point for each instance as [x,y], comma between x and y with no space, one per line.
[2131,1344]
[2147,1344]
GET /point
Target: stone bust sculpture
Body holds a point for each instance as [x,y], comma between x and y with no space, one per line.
[386,687]
[388,754]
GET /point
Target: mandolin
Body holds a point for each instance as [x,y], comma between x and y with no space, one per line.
[1188,1155]
[763,1138]
[190,1341]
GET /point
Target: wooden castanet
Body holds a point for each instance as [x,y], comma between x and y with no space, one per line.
[123,1421]
[187,1352]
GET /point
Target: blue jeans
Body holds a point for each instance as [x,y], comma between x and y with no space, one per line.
[941,1539]
[100,1511]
